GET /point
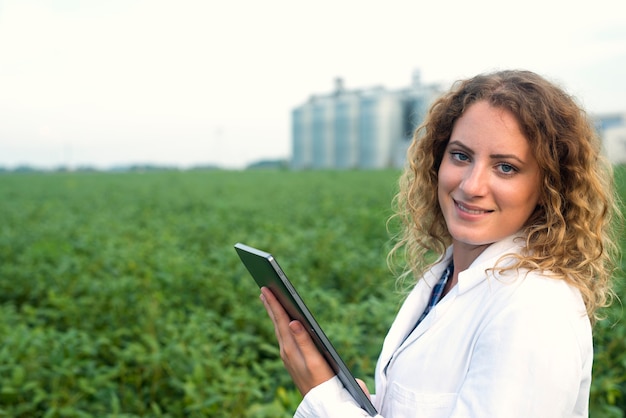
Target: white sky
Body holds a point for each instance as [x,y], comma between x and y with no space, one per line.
[113,82]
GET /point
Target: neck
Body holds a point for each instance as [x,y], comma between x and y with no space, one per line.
[463,255]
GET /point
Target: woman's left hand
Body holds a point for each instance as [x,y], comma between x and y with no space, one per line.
[306,365]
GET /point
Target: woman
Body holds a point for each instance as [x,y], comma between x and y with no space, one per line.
[506,184]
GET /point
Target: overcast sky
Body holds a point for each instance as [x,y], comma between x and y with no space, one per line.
[182,83]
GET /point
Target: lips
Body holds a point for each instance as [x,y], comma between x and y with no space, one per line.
[471,210]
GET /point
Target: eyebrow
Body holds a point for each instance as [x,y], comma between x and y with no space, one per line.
[492,156]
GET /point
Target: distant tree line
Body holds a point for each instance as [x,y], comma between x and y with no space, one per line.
[138,168]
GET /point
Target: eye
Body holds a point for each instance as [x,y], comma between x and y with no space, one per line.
[506,168]
[459,156]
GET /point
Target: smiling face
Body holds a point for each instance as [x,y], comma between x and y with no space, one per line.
[489,179]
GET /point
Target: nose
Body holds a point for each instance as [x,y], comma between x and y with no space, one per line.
[475,181]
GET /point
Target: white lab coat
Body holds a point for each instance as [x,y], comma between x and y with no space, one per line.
[512,345]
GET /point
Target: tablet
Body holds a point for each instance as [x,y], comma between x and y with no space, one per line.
[267,273]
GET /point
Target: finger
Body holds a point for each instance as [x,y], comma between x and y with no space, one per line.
[309,350]
[274,309]
[364,387]
[296,344]
[266,304]
[281,319]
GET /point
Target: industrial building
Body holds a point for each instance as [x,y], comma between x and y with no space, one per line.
[364,129]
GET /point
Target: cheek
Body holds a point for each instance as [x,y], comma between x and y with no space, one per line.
[525,200]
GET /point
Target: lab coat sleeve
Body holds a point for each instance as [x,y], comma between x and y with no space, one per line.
[330,400]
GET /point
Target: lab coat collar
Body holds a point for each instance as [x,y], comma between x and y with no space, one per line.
[417,300]
[479,270]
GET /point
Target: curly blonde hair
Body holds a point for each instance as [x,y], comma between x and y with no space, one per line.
[572,231]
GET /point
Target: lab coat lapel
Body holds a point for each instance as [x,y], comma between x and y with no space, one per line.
[410,312]
[405,321]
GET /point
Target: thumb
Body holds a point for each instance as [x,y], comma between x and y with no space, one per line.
[299,333]
[303,339]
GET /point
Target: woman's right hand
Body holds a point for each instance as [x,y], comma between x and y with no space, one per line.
[306,365]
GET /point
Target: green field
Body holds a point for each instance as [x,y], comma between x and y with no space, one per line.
[121,294]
